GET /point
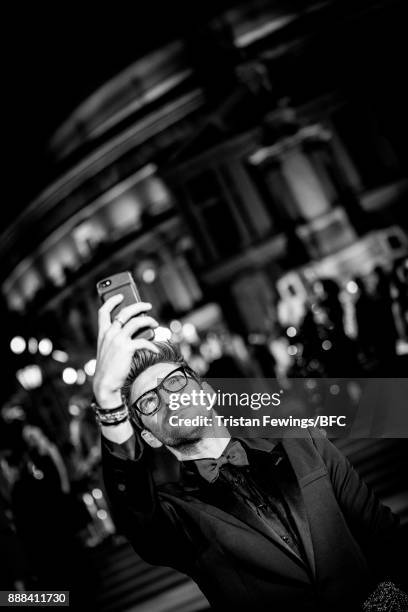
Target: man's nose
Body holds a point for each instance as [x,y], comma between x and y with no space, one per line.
[164,397]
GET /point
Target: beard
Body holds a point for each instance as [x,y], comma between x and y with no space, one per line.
[181,437]
[184,442]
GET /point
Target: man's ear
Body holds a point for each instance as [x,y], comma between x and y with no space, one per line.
[150,439]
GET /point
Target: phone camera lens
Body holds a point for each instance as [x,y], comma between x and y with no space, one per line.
[106,283]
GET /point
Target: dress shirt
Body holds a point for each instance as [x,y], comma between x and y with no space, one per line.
[257,490]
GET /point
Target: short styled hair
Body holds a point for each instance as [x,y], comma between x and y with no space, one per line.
[143,359]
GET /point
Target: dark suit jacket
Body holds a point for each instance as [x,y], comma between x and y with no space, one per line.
[235,560]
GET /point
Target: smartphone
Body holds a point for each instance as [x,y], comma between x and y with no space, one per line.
[123,283]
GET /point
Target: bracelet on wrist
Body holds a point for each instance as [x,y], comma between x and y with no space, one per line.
[96,407]
[108,424]
[112,419]
[111,416]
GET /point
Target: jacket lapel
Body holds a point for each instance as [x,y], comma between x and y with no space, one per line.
[238,513]
[277,466]
[328,528]
[242,512]
[209,493]
[248,537]
[294,497]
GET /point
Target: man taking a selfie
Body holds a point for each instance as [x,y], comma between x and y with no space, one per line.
[258,524]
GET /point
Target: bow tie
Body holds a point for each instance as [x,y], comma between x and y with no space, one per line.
[234,454]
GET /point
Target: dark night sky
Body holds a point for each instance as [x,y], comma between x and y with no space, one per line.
[55,58]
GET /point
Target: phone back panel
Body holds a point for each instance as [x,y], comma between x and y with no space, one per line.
[124,284]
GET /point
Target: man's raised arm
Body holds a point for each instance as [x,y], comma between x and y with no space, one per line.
[137,511]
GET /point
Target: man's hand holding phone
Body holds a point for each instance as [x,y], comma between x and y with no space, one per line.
[116,348]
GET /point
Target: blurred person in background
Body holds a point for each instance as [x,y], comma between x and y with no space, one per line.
[262,354]
[223,363]
[364,322]
[399,292]
[83,457]
[42,507]
[386,334]
[14,570]
[84,448]
[340,356]
[377,332]
[259,524]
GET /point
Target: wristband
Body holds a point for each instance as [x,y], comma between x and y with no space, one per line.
[111,424]
[111,416]
[96,408]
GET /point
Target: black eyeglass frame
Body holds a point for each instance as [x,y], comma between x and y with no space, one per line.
[188,373]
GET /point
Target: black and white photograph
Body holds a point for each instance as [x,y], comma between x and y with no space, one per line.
[204,306]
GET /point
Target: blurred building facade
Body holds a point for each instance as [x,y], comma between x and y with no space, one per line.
[224,169]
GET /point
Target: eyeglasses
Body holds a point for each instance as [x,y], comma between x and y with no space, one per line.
[150,402]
